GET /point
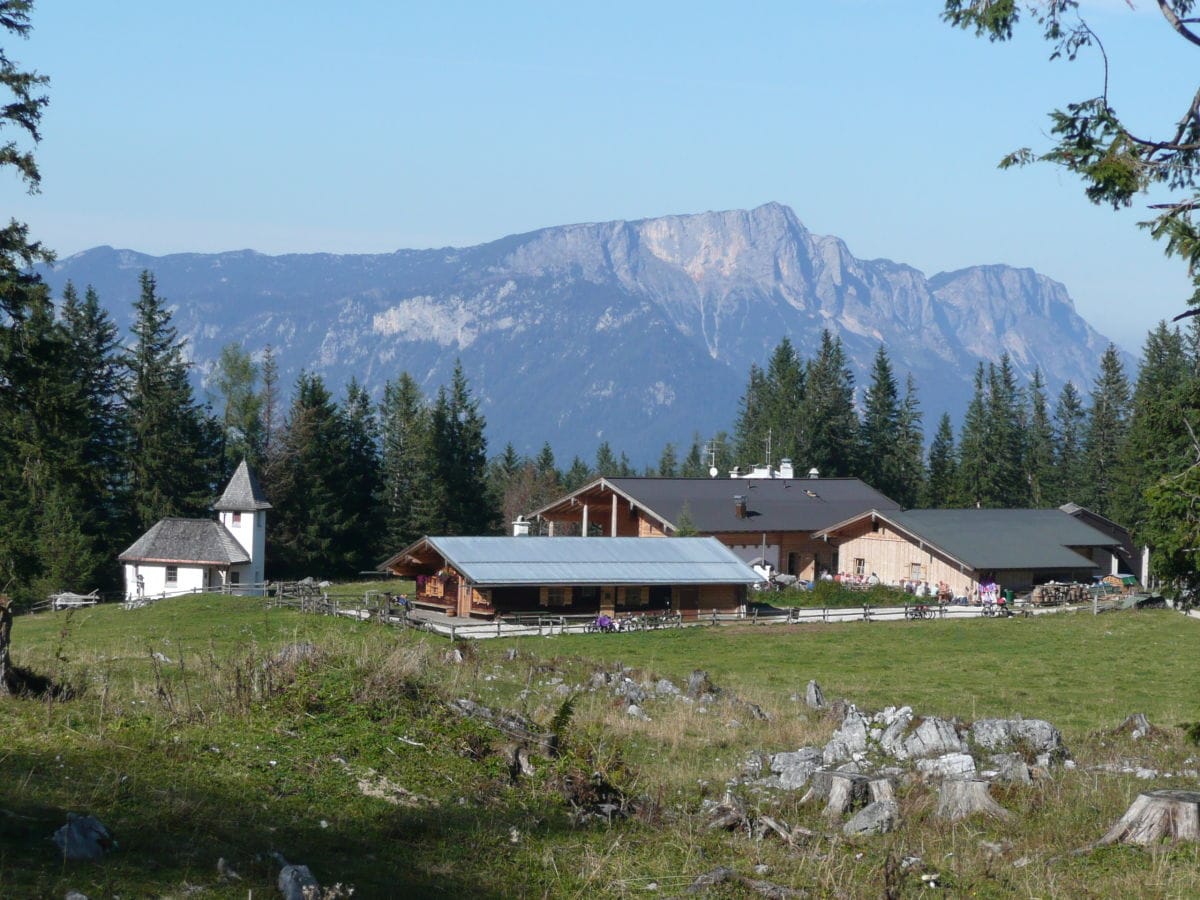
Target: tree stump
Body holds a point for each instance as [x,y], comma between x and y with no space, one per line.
[1155,816]
[6,686]
[959,799]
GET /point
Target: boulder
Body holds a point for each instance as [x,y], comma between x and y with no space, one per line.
[814,697]
[1010,767]
[879,817]
[950,765]
[83,837]
[698,685]
[1035,739]
[933,737]
[850,738]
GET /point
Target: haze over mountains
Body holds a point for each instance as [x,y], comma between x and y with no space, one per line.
[635,332]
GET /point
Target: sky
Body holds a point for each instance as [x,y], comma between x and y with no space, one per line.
[373,126]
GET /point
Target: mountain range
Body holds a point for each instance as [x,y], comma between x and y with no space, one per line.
[634,332]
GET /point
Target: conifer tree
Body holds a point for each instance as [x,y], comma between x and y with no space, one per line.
[941,487]
[784,401]
[1157,443]
[976,485]
[1069,420]
[828,410]
[577,475]
[607,464]
[242,424]
[1005,439]
[545,463]
[270,402]
[750,431]
[693,465]
[879,435]
[909,451]
[361,539]
[460,460]
[1104,439]
[173,450]
[408,507]
[668,466]
[1039,444]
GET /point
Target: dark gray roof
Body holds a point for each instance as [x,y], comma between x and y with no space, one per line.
[772,504]
[243,493]
[187,541]
[1005,538]
[593,560]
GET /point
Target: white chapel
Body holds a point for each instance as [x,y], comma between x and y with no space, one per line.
[183,556]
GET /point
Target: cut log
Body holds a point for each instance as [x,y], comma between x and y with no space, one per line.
[959,799]
[1156,816]
[6,686]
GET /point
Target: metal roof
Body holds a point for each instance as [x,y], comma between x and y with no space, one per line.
[593,560]
[194,541]
[1001,538]
[243,493]
[772,504]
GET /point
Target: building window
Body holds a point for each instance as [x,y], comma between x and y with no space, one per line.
[633,596]
[235,578]
[860,566]
[557,596]
[172,574]
[237,518]
[914,571]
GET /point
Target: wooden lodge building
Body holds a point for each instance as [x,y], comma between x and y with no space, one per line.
[495,576]
[767,514]
[1018,548]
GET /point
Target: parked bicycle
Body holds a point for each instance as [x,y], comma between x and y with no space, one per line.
[999,608]
[918,611]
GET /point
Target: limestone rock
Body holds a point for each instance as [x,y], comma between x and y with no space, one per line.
[849,739]
[83,837]
[1034,738]
[814,697]
[879,817]
[934,737]
[950,765]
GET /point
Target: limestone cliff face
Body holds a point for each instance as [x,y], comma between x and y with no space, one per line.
[636,332]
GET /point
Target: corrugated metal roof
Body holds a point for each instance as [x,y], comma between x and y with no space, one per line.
[772,504]
[1005,538]
[593,560]
[243,493]
[187,541]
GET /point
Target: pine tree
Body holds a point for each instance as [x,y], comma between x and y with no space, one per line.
[750,432]
[408,507]
[784,401]
[1158,443]
[607,464]
[941,487]
[976,485]
[694,465]
[173,452]
[270,402]
[577,475]
[545,463]
[361,536]
[1104,439]
[828,410]
[1005,431]
[242,425]
[880,431]
[1069,420]
[668,466]
[460,460]
[306,480]
[1039,444]
[909,451]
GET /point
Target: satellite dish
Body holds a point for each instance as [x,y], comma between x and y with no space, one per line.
[712,471]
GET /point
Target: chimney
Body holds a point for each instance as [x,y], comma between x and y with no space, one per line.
[520,527]
[785,469]
[739,506]
[813,473]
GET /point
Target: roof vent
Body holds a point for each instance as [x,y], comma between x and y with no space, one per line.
[739,506]
[785,469]
[813,473]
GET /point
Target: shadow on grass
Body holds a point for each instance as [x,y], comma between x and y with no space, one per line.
[170,836]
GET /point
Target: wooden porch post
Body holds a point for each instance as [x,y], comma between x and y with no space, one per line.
[584,532]
[613,529]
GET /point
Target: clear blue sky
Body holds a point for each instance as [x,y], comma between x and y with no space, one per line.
[371,126]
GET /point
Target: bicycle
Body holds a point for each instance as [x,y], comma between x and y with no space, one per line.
[918,611]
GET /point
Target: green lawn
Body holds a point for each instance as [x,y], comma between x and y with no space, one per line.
[211,751]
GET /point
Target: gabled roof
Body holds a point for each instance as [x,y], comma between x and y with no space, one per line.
[243,493]
[772,504]
[984,539]
[189,542]
[578,560]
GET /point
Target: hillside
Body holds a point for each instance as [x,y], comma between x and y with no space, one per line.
[195,735]
[636,332]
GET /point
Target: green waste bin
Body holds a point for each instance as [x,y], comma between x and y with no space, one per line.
[1008,595]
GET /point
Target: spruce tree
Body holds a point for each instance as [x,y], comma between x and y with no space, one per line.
[1005,430]
[460,460]
[1157,443]
[668,465]
[1104,439]
[1069,474]
[783,404]
[577,475]
[173,461]
[361,537]
[976,484]
[909,451]
[880,432]
[941,487]
[408,507]
[607,464]
[242,424]
[1039,444]
[753,420]
[828,410]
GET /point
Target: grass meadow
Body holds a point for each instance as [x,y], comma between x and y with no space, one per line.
[193,740]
